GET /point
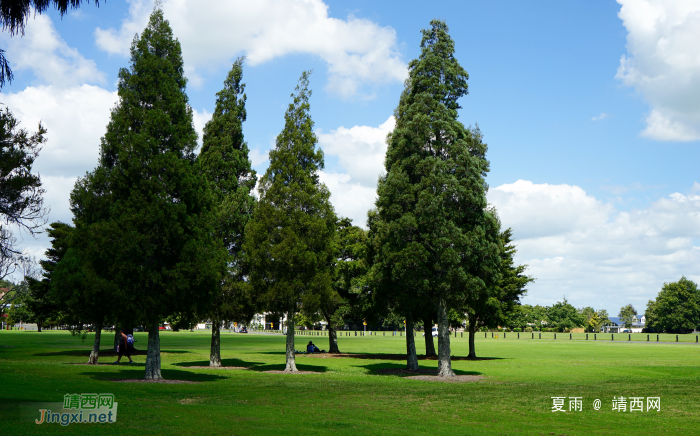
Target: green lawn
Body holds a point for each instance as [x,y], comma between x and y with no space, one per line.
[348,397]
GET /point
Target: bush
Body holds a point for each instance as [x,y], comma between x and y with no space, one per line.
[528,329]
[517,330]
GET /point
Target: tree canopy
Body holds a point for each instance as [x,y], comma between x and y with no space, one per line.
[289,241]
[676,308]
[225,164]
[155,240]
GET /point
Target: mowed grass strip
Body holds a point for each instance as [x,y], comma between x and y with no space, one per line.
[347,396]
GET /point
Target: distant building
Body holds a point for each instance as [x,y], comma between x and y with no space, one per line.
[617,326]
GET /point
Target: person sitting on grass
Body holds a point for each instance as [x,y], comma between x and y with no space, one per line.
[123,348]
[311,348]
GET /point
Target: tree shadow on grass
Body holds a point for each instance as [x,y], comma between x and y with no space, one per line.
[224,362]
[387,356]
[86,352]
[168,374]
[384,369]
[281,366]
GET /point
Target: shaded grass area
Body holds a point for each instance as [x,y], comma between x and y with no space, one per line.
[347,395]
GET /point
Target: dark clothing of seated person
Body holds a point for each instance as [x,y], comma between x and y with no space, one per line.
[310,348]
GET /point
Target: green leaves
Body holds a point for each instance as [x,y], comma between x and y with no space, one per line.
[289,241]
[145,213]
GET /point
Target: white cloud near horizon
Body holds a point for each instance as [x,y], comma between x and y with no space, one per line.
[663,64]
[356,50]
[596,255]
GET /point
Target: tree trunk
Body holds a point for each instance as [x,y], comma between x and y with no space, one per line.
[38,327]
[472,334]
[117,337]
[429,343]
[411,358]
[153,354]
[444,359]
[215,352]
[333,339]
[95,353]
[291,365]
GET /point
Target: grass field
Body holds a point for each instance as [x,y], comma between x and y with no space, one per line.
[347,396]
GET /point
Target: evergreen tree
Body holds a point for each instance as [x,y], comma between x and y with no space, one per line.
[155,242]
[225,163]
[41,301]
[348,272]
[676,308]
[496,305]
[432,200]
[289,241]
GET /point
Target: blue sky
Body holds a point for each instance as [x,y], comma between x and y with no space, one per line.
[591,111]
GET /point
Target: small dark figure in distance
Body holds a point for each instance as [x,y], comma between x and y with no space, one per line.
[123,348]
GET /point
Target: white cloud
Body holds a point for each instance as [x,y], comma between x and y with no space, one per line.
[351,200]
[594,254]
[360,150]
[602,116]
[357,51]
[75,118]
[200,120]
[48,57]
[663,63]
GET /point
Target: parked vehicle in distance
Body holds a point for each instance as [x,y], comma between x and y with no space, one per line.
[138,329]
[434,332]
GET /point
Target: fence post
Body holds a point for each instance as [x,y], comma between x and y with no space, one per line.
[461,335]
[612,336]
[570,336]
[657,338]
[696,339]
[504,335]
[555,335]
[676,338]
[518,335]
[586,336]
[629,337]
[355,332]
[491,335]
[540,335]
[595,336]
[484,335]
[533,335]
[647,338]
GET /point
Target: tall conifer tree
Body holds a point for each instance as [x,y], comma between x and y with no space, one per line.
[155,241]
[289,241]
[432,200]
[225,163]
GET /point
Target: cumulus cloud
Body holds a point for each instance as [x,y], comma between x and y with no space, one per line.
[75,118]
[356,50]
[663,64]
[593,253]
[48,57]
[360,150]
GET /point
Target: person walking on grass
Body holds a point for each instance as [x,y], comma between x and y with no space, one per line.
[123,348]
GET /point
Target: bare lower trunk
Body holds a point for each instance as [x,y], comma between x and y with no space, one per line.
[429,343]
[117,337]
[411,358]
[472,334]
[38,327]
[444,359]
[215,352]
[153,354]
[291,365]
[95,353]
[333,339]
